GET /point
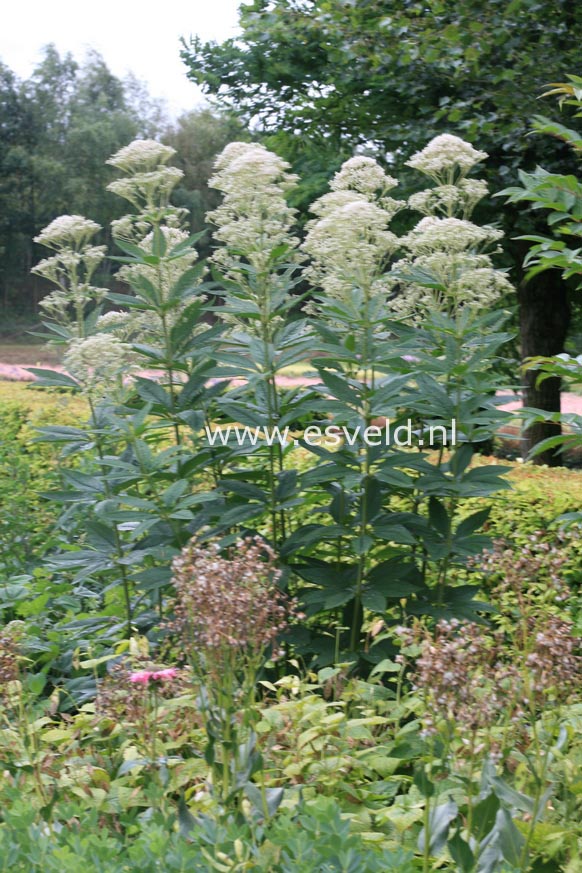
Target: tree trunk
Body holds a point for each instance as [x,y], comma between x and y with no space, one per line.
[544,317]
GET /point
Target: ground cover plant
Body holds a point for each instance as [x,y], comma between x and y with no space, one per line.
[352,652]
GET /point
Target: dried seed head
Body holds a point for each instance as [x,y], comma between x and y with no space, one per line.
[231,605]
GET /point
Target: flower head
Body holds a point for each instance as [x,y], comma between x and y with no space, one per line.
[450,200]
[144,677]
[151,189]
[228,608]
[349,244]
[363,175]
[68,231]
[71,267]
[254,219]
[141,156]
[448,235]
[97,361]
[445,157]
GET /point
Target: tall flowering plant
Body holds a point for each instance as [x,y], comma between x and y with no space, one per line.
[256,267]
[130,504]
[374,530]
[229,614]
[404,338]
[70,268]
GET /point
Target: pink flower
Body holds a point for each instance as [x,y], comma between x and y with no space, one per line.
[143,677]
[168,673]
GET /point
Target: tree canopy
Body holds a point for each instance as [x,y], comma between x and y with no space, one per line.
[391,75]
[57,129]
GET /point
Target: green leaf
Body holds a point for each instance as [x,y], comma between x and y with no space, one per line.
[510,840]
[440,819]
[340,387]
[159,243]
[152,392]
[484,813]
[461,853]
[509,796]
[53,378]
[439,517]
[473,522]
[423,783]
[186,820]
[271,799]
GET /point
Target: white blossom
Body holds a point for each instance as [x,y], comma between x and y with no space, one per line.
[433,234]
[148,189]
[70,268]
[458,279]
[97,362]
[112,320]
[444,156]
[141,156]
[363,175]
[231,152]
[335,200]
[349,247]
[473,189]
[450,200]
[67,231]
[254,218]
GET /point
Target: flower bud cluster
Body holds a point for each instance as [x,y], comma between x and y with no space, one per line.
[474,676]
[349,242]
[10,656]
[447,263]
[446,159]
[462,675]
[254,219]
[148,183]
[70,268]
[96,362]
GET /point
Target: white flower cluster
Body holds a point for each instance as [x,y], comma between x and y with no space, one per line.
[136,326]
[363,175]
[98,362]
[68,231]
[149,190]
[254,218]
[113,321]
[448,235]
[141,156]
[70,268]
[459,280]
[349,243]
[148,185]
[445,158]
[349,246]
[450,200]
[446,265]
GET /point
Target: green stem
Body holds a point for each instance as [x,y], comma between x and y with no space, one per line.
[116,538]
[368,388]
[170,372]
